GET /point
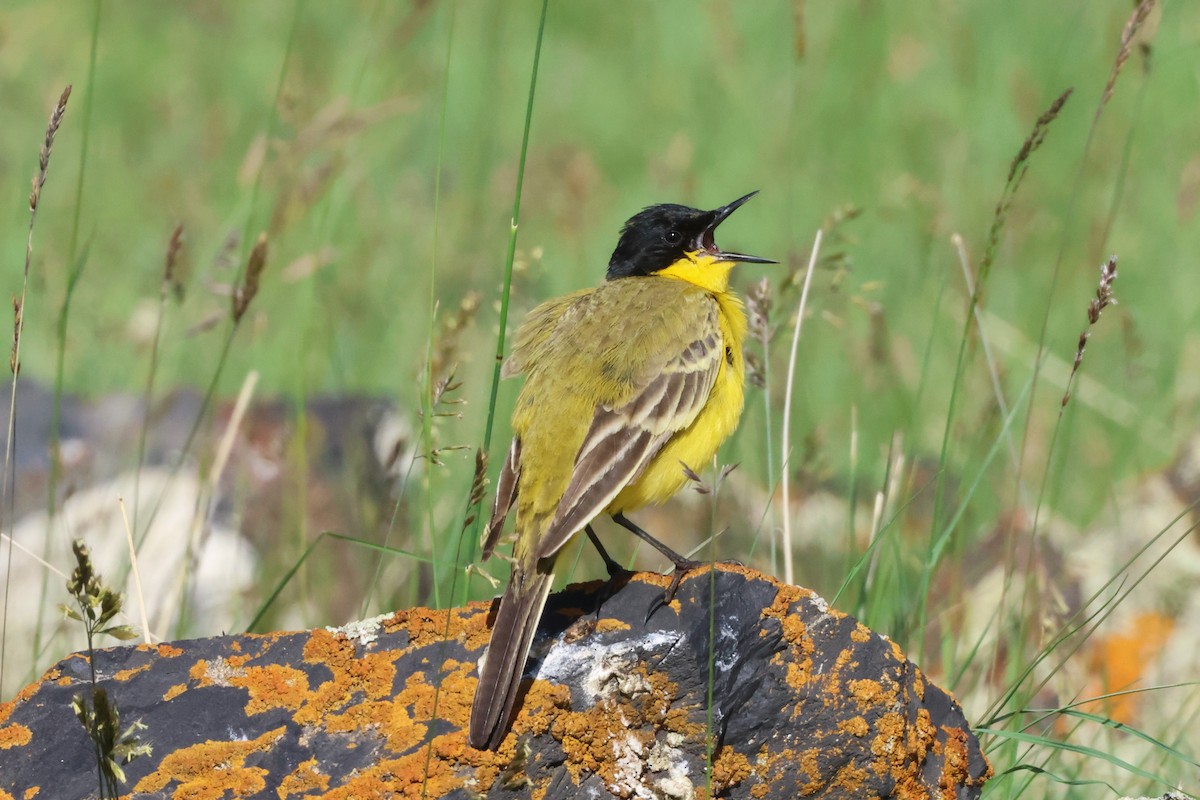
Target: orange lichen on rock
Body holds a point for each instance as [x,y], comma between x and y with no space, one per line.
[210,770]
[804,702]
[810,764]
[608,625]
[867,692]
[542,703]
[855,726]
[174,691]
[956,757]
[425,626]
[371,674]
[31,792]
[303,780]
[613,736]
[888,744]
[164,650]
[126,674]
[729,769]
[391,716]
[214,672]
[795,632]
[414,776]
[849,780]
[49,676]
[272,686]
[14,735]
[922,736]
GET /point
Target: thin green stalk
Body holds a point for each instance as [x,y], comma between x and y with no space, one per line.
[1049,472]
[1083,750]
[1110,219]
[75,270]
[473,528]
[8,480]
[719,475]
[1016,175]
[1069,217]
[471,532]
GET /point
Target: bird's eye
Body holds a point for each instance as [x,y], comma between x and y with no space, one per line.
[673,237]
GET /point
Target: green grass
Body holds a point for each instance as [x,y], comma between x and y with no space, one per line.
[388,140]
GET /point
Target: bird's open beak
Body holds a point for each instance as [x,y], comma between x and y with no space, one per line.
[706,243]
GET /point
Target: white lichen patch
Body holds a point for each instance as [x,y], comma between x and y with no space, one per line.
[363,631]
[602,670]
[220,671]
[627,772]
[666,756]
[819,603]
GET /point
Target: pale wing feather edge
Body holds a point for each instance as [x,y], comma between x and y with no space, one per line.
[506,494]
[620,442]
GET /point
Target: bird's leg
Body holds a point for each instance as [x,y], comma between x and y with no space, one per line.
[615,570]
[682,564]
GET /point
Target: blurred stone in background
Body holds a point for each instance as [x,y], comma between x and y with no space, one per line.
[206,543]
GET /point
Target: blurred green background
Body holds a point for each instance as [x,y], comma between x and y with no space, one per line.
[325,126]
[320,124]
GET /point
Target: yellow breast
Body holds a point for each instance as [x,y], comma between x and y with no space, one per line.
[697,444]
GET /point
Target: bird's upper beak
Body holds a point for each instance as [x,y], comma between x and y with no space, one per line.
[706,243]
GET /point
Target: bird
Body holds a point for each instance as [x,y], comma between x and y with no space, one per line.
[628,386]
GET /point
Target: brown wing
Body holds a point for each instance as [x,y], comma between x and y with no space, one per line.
[622,440]
[506,493]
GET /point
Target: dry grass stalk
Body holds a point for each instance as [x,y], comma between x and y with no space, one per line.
[14,363]
[788,569]
[35,196]
[758,315]
[249,288]
[1103,299]
[14,359]
[799,36]
[700,486]
[172,272]
[39,180]
[137,573]
[1016,173]
[1132,25]
[1036,136]
[479,484]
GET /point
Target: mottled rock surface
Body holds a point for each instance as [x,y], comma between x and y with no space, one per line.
[805,702]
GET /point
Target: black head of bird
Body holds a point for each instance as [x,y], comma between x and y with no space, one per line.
[657,237]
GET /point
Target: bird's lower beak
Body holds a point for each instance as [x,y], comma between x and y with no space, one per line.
[706,242]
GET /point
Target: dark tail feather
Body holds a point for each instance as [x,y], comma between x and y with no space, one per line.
[512,635]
